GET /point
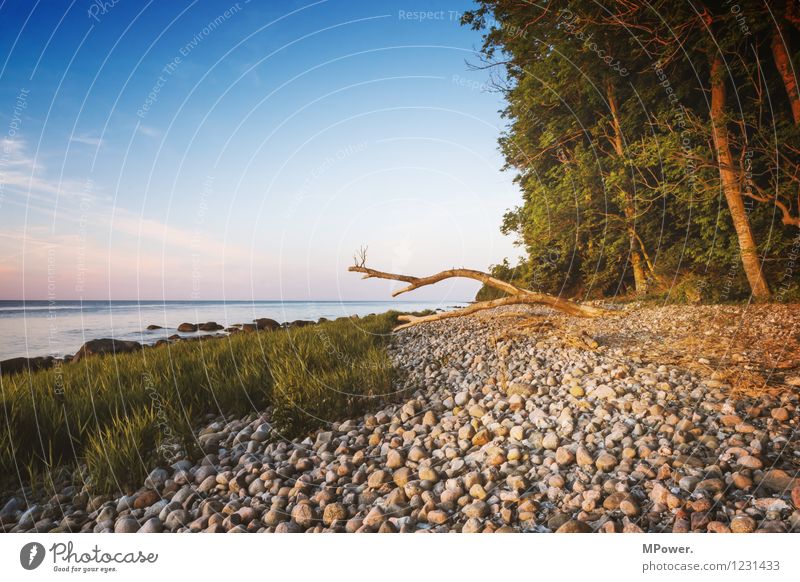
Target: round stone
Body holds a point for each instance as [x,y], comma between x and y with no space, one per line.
[334,513]
[304,515]
[564,456]
[550,441]
[152,525]
[437,517]
[127,524]
[477,411]
[779,414]
[577,391]
[477,492]
[629,507]
[377,479]
[606,462]
[750,462]
[394,459]
[583,457]
[476,509]
[574,526]
[743,524]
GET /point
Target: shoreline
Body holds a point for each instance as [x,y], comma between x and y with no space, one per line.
[102,346]
[160,336]
[516,420]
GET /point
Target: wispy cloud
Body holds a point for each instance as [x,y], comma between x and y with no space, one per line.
[86,140]
[111,246]
[148,131]
[23,180]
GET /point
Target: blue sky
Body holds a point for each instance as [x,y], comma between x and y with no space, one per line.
[209,150]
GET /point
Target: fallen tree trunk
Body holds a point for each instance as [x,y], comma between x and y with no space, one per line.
[516,295]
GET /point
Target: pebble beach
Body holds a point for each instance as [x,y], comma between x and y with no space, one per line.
[658,419]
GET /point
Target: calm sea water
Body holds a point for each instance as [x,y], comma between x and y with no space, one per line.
[38,328]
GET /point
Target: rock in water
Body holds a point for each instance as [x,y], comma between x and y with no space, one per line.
[265,323]
[105,346]
[210,326]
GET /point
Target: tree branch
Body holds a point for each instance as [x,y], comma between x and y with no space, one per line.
[516,295]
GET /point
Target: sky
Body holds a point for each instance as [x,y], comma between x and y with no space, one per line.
[244,150]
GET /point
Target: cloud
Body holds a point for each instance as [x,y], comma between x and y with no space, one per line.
[111,246]
[22,177]
[86,140]
[148,130]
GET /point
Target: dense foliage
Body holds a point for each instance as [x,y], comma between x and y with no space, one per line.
[656,145]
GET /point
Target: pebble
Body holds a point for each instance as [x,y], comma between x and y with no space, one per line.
[577,391]
[394,459]
[152,525]
[629,507]
[743,524]
[779,414]
[126,524]
[750,462]
[334,513]
[605,462]
[564,456]
[477,509]
[550,441]
[437,517]
[304,515]
[146,499]
[574,526]
[583,457]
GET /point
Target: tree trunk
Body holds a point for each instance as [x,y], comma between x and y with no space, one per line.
[629,205]
[784,65]
[730,184]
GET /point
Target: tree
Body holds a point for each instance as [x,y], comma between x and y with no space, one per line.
[653,142]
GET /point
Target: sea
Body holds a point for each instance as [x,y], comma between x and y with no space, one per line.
[58,328]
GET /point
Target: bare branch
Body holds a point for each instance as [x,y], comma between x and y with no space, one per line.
[516,295]
[360,258]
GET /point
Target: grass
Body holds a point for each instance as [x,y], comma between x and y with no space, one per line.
[113,419]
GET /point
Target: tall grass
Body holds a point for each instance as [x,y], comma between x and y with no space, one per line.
[114,414]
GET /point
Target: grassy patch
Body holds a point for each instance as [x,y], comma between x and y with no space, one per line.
[114,415]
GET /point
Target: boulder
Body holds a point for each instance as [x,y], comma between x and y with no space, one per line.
[249,327]
[188,327]
[152,326]
[210,326]
[299,323]
[105,346]
[266,323]
[15,365]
